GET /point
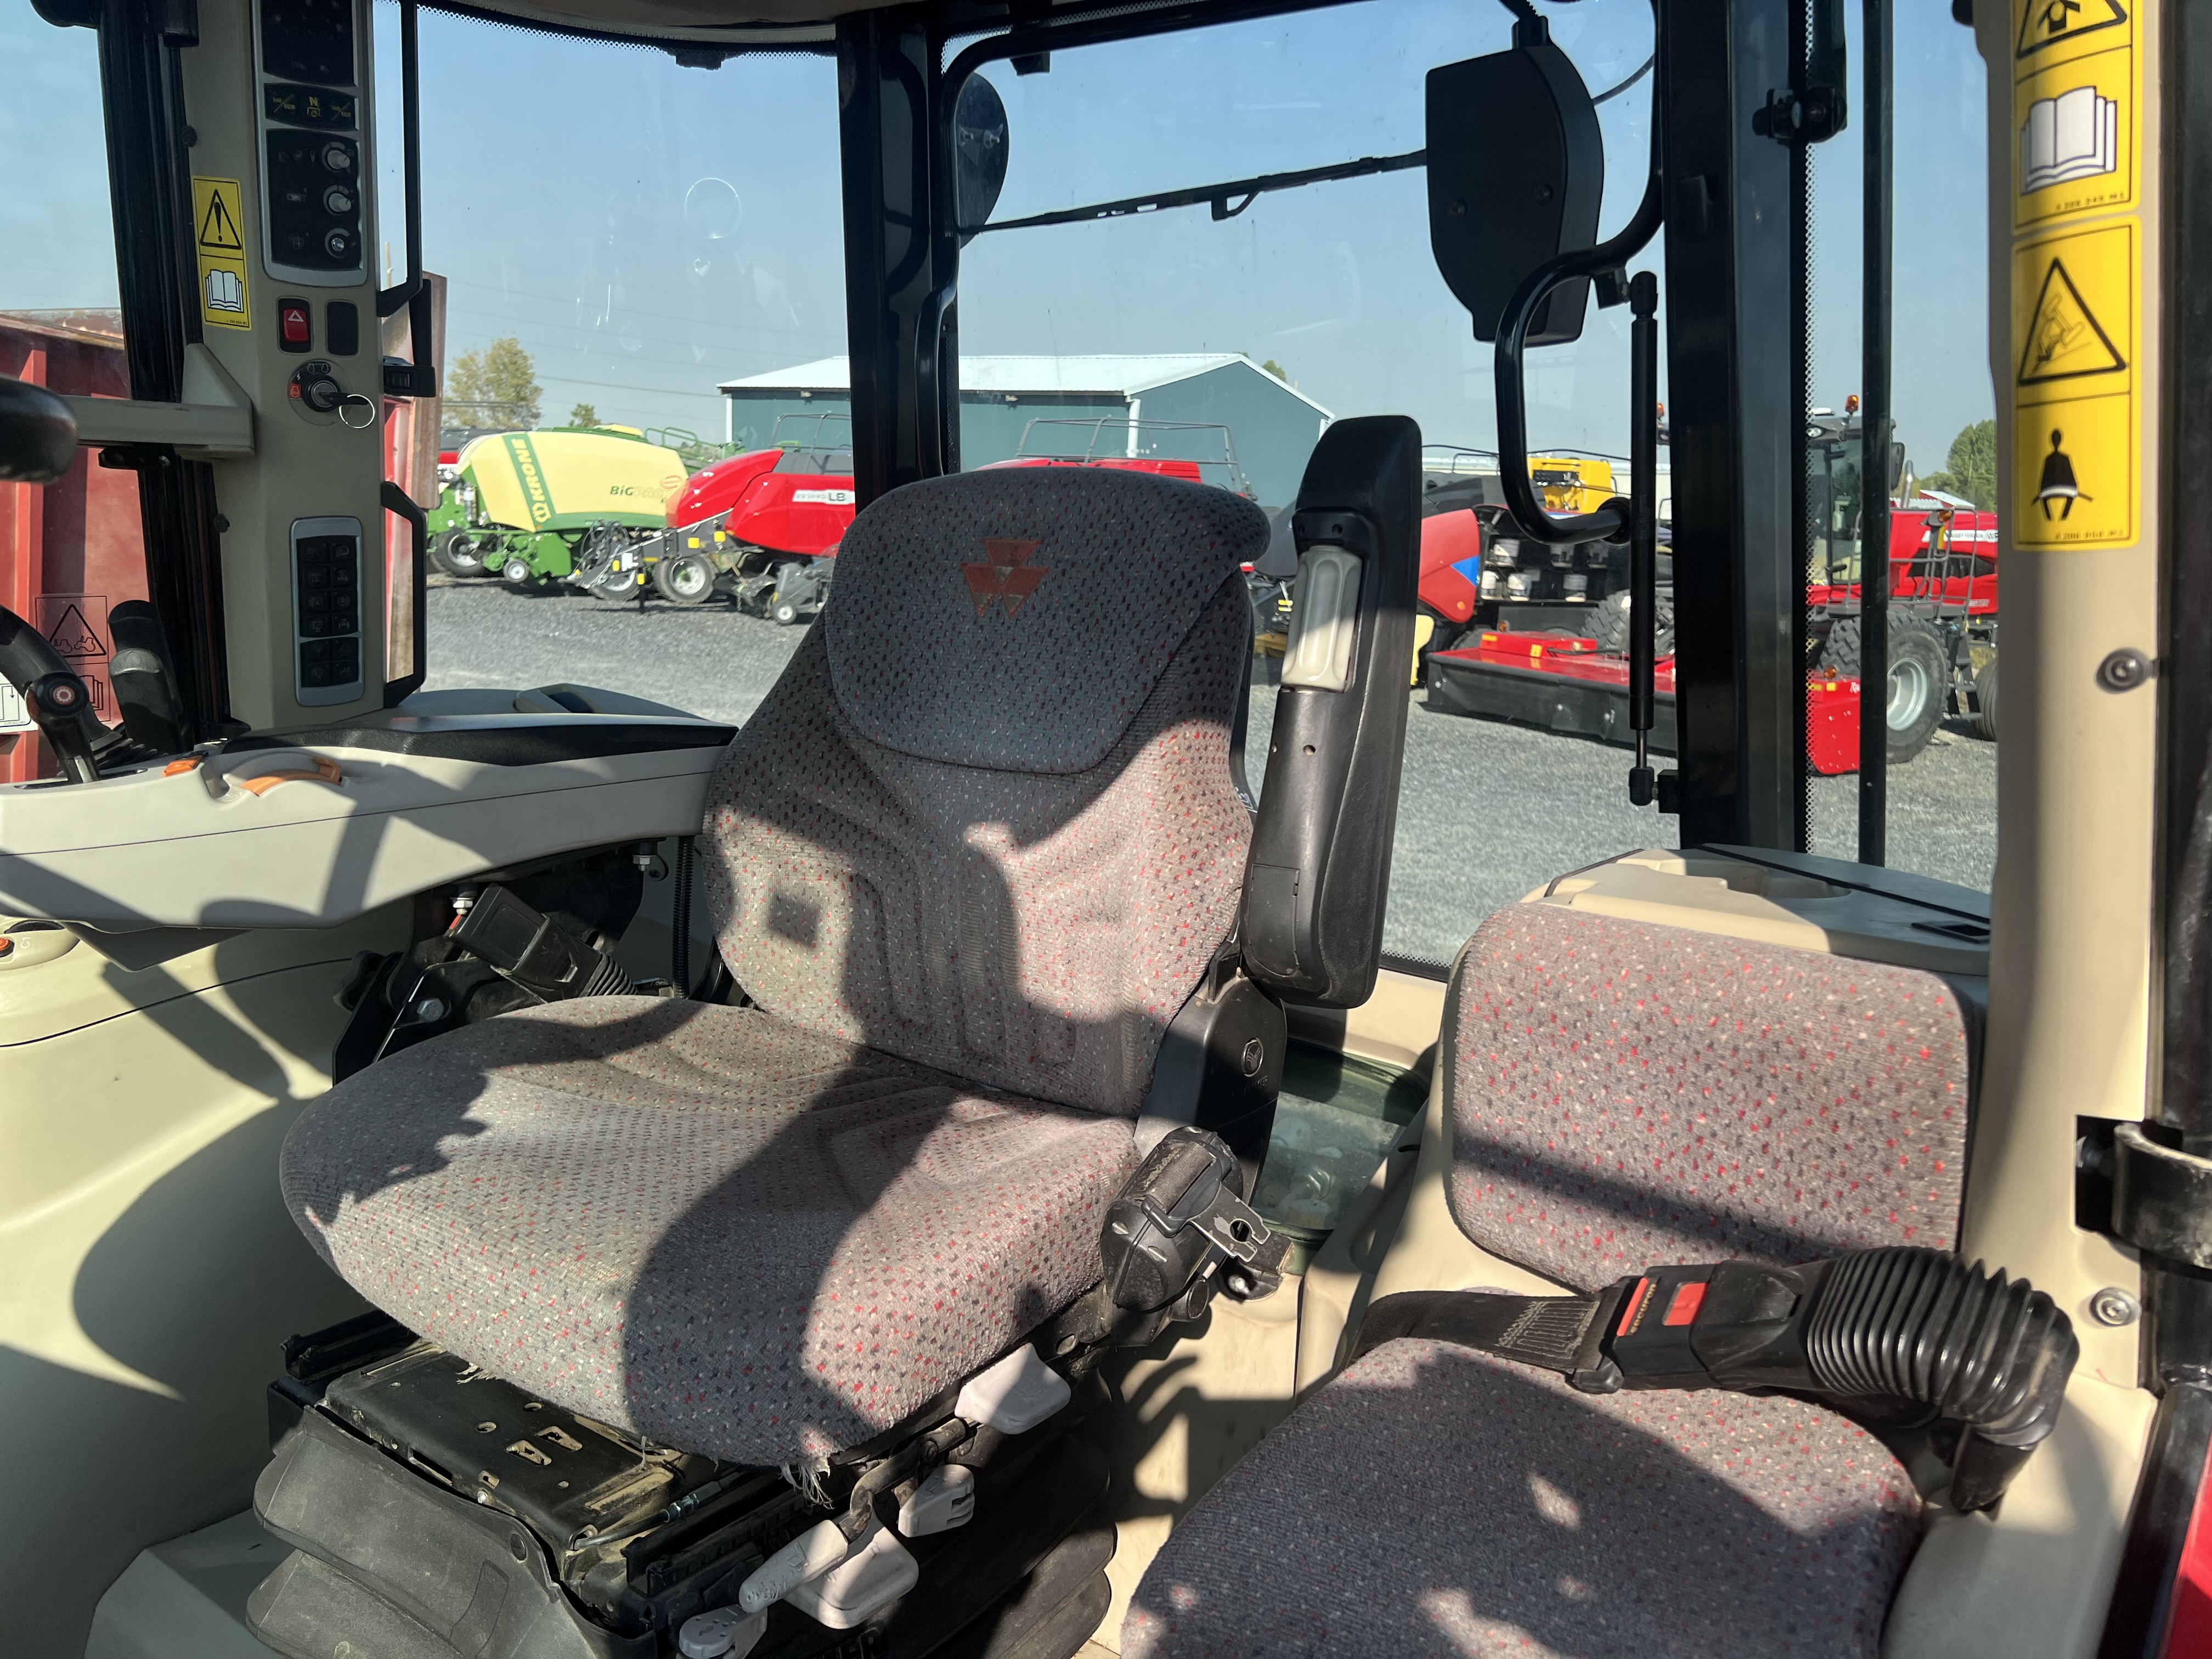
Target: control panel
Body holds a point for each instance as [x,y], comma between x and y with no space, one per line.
[314,221]
[326,639]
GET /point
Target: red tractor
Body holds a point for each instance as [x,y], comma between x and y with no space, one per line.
[1525,662]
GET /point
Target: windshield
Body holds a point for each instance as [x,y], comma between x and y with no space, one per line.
[1329,294]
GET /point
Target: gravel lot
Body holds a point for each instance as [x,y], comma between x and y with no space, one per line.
[1487,811]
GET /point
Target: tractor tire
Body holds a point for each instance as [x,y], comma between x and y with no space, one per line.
[454,552]
[784,613]
[617,587]
[1919,677]
[1986,696]
[687,579]
[1609,625]
[596,572]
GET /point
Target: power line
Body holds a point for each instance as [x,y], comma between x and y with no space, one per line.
[665,316]
[762,353]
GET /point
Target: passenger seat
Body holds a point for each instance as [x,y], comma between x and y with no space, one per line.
[1618,1093]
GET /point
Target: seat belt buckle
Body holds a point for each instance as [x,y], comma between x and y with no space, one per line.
[1649,1333]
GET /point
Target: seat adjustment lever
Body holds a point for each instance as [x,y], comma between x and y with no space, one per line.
[1180,1224]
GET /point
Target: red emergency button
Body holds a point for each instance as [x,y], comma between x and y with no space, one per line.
[294,330]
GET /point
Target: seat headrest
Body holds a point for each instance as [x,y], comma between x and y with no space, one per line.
[1018,618]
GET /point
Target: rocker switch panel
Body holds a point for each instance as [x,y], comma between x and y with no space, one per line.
[313,132]
[326,610]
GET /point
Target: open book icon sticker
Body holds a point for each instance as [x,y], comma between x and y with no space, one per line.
[225,290]
[2076,134]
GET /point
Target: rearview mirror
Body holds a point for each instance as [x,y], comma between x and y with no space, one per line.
[979,151]
[37,434]
[1516,171]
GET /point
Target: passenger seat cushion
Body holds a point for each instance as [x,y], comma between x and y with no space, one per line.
[702,1224]
[1622,1094]
[1036,930]
[1433,1500]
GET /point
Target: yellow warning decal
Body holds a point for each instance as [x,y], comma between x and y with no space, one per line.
[2075,469]
[219,238]
[2052,31]
[2074,125]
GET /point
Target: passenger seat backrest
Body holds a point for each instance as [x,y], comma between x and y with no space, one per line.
[1622,1094]
[986,819]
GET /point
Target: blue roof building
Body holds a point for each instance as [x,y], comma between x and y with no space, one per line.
[1167,404]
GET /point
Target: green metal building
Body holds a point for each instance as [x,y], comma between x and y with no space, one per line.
[1273,426]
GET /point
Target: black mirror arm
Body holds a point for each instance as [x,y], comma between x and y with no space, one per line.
[1608,523]
[57,700]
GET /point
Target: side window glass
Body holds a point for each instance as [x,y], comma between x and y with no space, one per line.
[1939,706]
[1199,336]
[643,323]
[71,551]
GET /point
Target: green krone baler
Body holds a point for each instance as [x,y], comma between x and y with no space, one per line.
[537,507]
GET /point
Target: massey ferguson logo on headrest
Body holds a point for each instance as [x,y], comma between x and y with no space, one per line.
[1005,576]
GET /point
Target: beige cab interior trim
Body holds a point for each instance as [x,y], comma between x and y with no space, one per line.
[202,847]
[213,422]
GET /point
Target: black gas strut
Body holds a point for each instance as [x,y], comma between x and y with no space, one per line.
[1643,529]
[1635,519]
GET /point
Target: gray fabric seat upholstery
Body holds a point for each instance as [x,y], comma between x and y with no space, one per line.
[968,858]
[1619,1095]
[1431,1500]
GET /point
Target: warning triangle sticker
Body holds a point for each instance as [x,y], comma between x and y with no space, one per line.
[2050,22]
[217,229]
[2064,338]
[72,636]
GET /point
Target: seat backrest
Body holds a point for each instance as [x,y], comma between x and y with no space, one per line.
[986,819]
[1623,1094]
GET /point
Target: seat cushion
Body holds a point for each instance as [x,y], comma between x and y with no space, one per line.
[1433,1500]
[1623,1094]
[702,1224]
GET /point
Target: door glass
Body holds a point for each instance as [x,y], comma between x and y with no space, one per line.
[1248,333]
[71,552]
[1941,819]
[612,251]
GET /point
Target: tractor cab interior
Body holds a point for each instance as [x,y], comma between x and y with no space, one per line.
[1133,997]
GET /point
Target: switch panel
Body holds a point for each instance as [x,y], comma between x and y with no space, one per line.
[313,223]
[326,610]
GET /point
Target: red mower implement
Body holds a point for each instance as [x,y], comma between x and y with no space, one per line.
[1571,674]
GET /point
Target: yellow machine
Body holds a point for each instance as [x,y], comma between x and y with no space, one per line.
[1572,483]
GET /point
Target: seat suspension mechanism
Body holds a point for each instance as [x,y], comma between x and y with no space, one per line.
[1903,1336]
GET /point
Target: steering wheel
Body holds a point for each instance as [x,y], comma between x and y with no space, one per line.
[57,699]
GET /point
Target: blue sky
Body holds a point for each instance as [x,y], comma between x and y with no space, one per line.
[648,230]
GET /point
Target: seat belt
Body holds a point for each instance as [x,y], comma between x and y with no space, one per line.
[1875,1330]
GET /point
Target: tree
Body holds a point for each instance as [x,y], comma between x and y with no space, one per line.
[496,386]
[583,415]
[1972,466]
[1277,370]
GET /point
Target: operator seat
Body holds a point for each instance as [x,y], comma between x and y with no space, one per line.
[1619,1094]
[968,860]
